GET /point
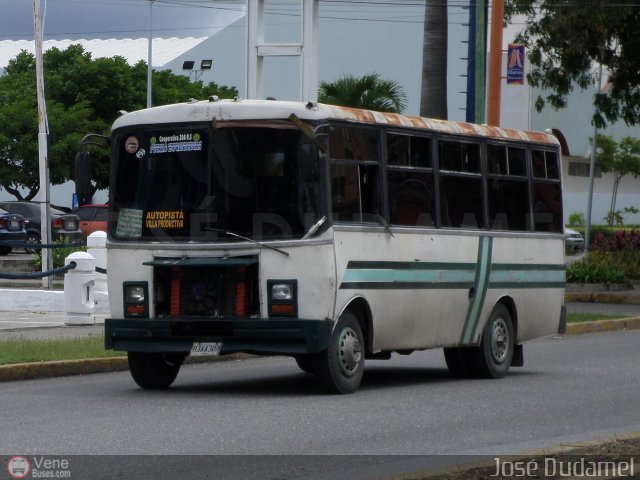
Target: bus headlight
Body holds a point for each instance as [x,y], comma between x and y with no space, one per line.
[136,299]
[283,298]
[281,291]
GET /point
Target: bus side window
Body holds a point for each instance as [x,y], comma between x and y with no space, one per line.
[461,201]
[355,174]
[354,192]
[507,191]
[547,201]
[411,198]
[461,197]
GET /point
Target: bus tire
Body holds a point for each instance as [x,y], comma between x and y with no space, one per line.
[494,354]
[340,366]
[305,362]
[458,361]
[154,370]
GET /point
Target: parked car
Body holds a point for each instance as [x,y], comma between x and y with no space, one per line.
[63,225]
[92,218]
[574,242]
[12,229]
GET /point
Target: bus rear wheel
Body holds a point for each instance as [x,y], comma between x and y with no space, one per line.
[154,370]
[341,365]
[494,354]
[459,361]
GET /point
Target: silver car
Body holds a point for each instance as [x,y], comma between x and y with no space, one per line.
[574,242]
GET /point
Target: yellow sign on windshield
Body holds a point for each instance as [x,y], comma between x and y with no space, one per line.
[164,219]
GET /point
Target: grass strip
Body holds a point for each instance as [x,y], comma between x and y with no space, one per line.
[18,350]
[575,317]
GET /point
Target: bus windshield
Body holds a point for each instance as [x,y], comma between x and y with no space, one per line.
[179,183]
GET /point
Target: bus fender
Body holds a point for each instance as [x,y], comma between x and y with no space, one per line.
[359,306]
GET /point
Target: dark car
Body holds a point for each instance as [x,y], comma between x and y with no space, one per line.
[92,218]
[12,229]
[63,225]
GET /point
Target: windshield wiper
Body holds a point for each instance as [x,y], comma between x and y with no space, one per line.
[242,237]
[314,228]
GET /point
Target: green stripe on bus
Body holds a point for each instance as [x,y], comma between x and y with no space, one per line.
[409,276]
[480,287]
[518,275]
[405,285]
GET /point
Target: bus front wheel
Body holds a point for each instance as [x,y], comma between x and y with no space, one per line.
[495,352]
[305,362]
[340,366]
[154,370]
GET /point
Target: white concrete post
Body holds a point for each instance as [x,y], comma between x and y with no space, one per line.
[97,248]
[255,37]
[306,49]
[309,67]
[78,289]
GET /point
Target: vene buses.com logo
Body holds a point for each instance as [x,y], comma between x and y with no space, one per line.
[18,467]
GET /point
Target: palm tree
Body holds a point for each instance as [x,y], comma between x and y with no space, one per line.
[433,101]
[368,91]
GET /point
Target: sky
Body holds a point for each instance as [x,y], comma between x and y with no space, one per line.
[115,27]
[76,19]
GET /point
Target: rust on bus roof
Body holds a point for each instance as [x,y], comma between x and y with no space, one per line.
[259,110]
[446,126]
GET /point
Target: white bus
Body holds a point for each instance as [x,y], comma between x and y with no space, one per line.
[331,235]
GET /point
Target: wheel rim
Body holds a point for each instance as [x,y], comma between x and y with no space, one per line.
[500,340]
[31,242]
[349,352]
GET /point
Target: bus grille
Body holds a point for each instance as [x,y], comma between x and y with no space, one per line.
[207,291]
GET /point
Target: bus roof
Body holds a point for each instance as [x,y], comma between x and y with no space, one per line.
[238,110]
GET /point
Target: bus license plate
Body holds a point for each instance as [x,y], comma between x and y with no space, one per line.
[201,349]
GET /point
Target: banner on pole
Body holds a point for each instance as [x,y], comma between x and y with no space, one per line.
[515,64]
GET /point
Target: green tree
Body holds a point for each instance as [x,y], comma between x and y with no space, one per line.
[621,159]
[83,96]
[566,40]
[433,98]
[368,92]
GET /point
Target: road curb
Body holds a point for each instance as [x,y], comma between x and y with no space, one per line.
[28,371]
[63,368]
[604,326]
[32,370]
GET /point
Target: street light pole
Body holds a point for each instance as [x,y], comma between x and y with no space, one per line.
[150,56]
[43,162]
[592,171]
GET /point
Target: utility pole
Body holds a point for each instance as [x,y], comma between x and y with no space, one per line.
[150,56]
[495,63]
[43,161]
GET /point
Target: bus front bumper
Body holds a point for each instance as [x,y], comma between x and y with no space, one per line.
[284,336]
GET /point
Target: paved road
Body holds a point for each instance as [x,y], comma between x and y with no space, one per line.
[571,389]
